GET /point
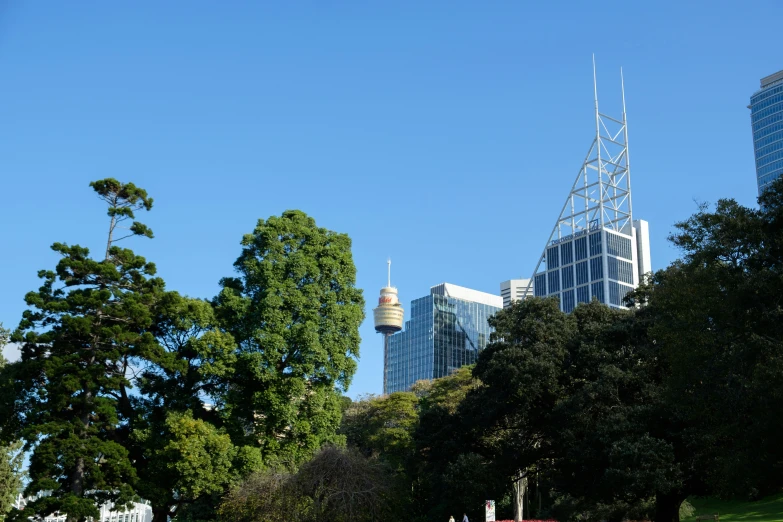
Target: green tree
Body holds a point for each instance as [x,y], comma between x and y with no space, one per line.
[718,317]
[84,328]
[384,427]
[11,455]
[295,311]
[182,455]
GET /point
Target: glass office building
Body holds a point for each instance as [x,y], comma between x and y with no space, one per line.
[766,116]
[446,330]
[601,264]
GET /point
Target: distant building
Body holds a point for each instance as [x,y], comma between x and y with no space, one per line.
[140,512]
[596,249]
[766,118]
[447,329]
[515,290]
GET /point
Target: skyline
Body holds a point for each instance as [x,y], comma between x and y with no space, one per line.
[465,126]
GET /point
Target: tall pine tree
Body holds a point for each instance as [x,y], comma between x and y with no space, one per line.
[86,326]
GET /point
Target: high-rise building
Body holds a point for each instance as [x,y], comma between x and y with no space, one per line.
[596,249]
[766,118]
[388,318]
[447,329]
[515,290]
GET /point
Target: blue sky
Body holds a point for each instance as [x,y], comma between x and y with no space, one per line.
[443,134]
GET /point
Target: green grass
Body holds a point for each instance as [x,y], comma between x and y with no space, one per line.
[769,509]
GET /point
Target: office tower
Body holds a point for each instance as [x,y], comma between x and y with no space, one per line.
[766,118]
[388,318]
[596,249]
[514,290]
[446,330]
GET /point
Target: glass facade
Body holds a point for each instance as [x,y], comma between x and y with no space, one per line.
[443,334]
[766,116]
[603,258]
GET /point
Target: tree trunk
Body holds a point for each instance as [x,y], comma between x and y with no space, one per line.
[667,507]
[160,514]
[519,498]
[111,232]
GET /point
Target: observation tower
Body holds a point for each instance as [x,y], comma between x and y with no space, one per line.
[388,319]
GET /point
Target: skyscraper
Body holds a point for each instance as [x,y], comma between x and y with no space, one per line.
[766,118]
[514,290]
[596,250]
[447,329]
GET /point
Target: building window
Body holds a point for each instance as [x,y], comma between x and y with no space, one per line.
[620,270]
[582,275]
[595,244]
[617,293]
[583,294]
[567,253]
[598,291]
[568,277]
[625,271]
[618,246]
[581,248]
[567,301]
[539,288]
[554,281]
[552,259]
[596,268]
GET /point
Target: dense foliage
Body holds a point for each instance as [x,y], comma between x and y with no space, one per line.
[126,390]
[231,408]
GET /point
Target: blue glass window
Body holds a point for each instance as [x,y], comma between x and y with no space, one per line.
[598,291]
[552,258]
[583,294]
[539,288]
[554,281]
[567,301]
[596,268]
[567,277]
[582,275]
[567,252]
[617,293]
[581,248]
[595,244]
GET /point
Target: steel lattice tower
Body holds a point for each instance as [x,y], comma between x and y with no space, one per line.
[599,200]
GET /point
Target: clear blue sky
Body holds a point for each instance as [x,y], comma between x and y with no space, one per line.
[443,134]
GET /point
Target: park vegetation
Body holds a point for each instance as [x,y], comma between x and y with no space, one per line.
[232,408]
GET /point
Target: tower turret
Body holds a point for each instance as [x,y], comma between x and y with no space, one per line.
[388,317]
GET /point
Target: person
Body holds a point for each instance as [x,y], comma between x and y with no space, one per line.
[451,519]
[465,517]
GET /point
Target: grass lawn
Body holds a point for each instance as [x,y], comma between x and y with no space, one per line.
[768,509]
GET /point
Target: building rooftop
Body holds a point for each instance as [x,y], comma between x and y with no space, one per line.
[772,78]
[467,294]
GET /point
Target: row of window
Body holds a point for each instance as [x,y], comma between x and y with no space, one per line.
[769,133]
[775,166]
[769,178]
[618,246]
[765,94]
[568,303]
[762,125]
[776,145]
[595,243]
[620,270]
[758,115]
[617,293]
[581,248]
[554,280]
[564,253]
[539,287]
